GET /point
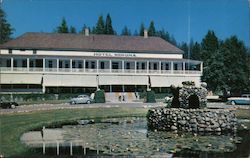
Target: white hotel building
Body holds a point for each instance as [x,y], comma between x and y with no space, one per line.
[62,63]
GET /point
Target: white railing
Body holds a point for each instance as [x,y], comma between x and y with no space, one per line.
[82,70]
[20,69]
[34,69]
[50,69]
[5,68]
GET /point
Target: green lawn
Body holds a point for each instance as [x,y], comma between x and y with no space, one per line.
[14,125]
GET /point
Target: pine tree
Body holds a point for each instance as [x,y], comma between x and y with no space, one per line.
[172,40]
[163,34]
[72,29]
[108,26]
[126,31]
[151,29]
[196,51]
[209,45]
[183,46]
[235,56]
[213,73]
[100,28]
[63,28]
[142,28]
[6,29]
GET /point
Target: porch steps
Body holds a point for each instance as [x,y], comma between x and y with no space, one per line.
[120,97]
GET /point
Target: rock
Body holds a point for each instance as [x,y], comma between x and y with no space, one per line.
[173,128]
[193,121]
[208,129]
[201,129]
[218,129]
[182,122]
[207,119]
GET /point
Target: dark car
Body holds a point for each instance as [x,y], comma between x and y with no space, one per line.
[8,104]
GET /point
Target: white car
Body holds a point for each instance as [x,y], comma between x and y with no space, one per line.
[168,99]
[81,99]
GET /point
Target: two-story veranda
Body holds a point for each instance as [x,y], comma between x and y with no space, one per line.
[50,62]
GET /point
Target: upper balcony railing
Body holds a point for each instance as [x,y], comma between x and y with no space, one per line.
[104,71]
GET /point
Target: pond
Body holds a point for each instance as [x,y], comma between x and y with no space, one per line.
[130,137]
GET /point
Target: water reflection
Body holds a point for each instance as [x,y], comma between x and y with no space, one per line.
[129,136]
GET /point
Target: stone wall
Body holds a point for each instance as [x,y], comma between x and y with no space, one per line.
[192,120]
[186,91]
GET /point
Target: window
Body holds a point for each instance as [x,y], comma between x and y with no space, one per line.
[86,64]
[8,62]
[102,65]
[155,66]
[10,51]
[15,63]
[39,63]
[166,66]
[24,63]
[142,65]
[67,64]
[92,65]
[50,64]
[79,64]
[175,66]
[5,62]
[31,63]
[127,65]
[115,65]
[60,64]
[34,51]
[73,64]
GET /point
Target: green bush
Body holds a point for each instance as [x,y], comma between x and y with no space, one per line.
[99,96]
[150,97]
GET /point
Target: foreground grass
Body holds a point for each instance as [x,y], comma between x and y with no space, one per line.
[13,126]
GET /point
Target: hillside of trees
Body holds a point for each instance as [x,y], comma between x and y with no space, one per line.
[226,62]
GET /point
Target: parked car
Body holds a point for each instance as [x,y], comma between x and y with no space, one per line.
[243,99]
[81,99]
[8,104]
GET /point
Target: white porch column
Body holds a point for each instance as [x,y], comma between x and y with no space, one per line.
[97,65]
[147,66]
[12,63]
[44,64]
[183,67]
[159,67]
[122,66]
[43,89]
[110,65]
[135,66]
[57,65]
[70,65]
[28,64]
[172,67]
[201,67]
[110,88]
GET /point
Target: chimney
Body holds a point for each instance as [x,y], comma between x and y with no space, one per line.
[145,33]
[86,32]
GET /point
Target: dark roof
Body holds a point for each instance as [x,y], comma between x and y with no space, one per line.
[67,41]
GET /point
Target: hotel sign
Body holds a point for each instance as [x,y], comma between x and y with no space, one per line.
[95,54]
[107,54]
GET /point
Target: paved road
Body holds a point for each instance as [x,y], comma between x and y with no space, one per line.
[39,107]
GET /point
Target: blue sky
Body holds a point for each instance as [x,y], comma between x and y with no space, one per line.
[225,17]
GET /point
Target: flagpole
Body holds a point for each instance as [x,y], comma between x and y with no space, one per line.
[188,34]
